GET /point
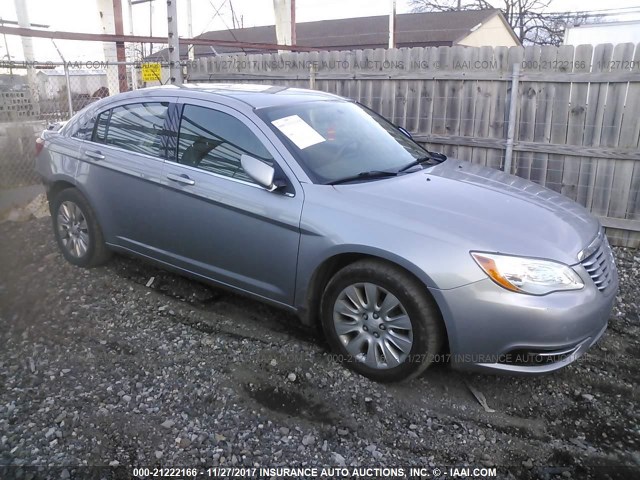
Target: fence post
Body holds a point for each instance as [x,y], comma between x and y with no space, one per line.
[511,130]
[66,76]
[312,76]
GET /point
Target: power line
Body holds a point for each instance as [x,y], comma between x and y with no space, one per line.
[225,23]
[617,9]
[213,17]
[612,10]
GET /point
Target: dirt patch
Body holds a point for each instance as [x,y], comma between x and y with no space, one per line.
[131,364]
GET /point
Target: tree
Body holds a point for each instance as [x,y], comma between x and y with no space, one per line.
[528,18]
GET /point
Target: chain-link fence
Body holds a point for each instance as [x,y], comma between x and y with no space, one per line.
[34,96]
[574,134]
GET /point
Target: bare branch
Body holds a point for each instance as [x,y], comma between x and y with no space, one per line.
[527,18]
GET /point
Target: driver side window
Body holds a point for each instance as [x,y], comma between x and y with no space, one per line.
[214,141]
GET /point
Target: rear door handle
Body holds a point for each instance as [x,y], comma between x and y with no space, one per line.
[96,155]
[181,179]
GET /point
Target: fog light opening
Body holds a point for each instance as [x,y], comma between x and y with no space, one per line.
[535,357]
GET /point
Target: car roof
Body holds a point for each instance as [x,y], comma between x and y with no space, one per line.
[256,96]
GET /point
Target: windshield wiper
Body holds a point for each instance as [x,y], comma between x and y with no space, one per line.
[433,156]
[363,176]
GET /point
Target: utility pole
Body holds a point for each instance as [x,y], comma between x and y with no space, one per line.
[27,48]
[392,25]
[175,69]
[120,51]
[108,26]
[285,21]
[293,22]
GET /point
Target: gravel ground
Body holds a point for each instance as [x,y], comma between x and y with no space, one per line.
[97,368]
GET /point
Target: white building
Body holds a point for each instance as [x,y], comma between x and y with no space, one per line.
[611,32]
[52,83]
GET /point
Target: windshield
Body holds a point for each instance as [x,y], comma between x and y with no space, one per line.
[333,140]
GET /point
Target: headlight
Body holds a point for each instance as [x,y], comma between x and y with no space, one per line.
[528,275]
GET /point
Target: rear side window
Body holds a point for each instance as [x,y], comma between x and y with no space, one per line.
[137,127]
[84,131]
[81,126]
[214,141]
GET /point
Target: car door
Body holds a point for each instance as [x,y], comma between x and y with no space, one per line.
[122,169]
[218,222]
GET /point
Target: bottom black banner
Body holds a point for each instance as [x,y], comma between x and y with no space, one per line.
[306,472]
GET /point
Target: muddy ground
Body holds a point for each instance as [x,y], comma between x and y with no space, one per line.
[97,368]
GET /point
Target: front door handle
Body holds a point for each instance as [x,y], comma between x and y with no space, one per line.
[181,179]
[96,155]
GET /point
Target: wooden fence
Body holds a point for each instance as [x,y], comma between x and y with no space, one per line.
[574,126]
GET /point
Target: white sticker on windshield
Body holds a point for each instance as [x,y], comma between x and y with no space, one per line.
[298,131]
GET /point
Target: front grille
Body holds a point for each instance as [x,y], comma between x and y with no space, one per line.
[600,265]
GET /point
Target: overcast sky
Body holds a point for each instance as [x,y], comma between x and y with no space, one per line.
[82,16]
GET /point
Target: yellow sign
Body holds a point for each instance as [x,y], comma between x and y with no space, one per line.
[150,72]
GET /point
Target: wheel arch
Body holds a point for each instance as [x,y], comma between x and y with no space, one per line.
[57,185]
[96,252]
[309,312]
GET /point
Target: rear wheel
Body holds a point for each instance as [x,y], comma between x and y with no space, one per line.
[380,321]
[77,231]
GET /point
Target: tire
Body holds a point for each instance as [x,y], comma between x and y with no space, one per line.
[77,232]
[405,338]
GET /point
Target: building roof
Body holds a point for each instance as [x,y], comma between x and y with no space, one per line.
[72,73]
[606,24]
[412,30]
[626,31]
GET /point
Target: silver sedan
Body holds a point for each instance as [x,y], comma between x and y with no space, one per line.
[315,204]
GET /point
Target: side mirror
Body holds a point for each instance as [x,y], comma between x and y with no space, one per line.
[405,131]
[259,171]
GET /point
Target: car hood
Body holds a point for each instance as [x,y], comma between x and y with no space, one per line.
[480,208]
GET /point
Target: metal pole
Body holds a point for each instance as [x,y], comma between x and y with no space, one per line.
[49,64]
[508,155]
[108,26]
[66,76]
[111,37]
[392,25]
[151,25]
[283,10]
[293,22]
[191,49]
[6,47]
[27,49]
[134,72]
[312,76]
[175,69]
[121,56]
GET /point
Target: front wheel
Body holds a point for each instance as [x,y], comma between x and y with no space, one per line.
[380,321]
[77,231]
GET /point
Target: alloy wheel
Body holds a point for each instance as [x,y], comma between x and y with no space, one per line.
[373,325]
[73,229]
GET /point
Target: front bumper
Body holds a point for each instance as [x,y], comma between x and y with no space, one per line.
[491,329]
